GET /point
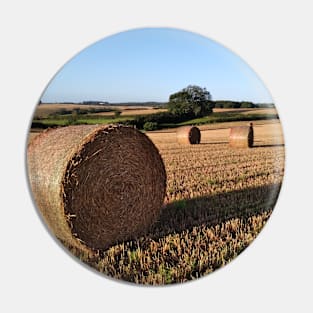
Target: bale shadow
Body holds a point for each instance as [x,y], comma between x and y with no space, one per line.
[269,145]
[214,143]
[212,210]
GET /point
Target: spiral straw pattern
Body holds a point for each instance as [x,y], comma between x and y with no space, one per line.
[96,185]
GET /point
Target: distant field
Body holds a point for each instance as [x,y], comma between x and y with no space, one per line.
[51,115]
[247,111]
[223,127]
[132,111]
[210,133]
[265,131]
[44,110]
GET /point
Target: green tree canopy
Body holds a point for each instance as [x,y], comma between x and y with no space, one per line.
[192,100]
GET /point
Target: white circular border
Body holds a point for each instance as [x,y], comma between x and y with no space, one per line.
[273,38]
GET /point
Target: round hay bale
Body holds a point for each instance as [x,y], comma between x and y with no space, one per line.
[188,135]
[241,136]
[96,185]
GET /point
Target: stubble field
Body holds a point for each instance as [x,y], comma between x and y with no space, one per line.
[217,201]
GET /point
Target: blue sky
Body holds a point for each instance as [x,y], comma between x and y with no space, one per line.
[149,64]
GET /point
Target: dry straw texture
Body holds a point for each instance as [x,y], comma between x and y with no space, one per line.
[241,136]
[188,135]
[96,185]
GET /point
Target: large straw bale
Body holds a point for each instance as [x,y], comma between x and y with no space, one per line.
[188,135]
[96,185]
[241,136]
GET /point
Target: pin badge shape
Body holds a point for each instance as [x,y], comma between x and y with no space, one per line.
[155,156]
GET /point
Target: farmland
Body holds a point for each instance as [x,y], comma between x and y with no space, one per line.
[44,110]
[217,201]
[54,115]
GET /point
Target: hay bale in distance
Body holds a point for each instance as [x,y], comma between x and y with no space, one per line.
[241,136]
[188,135]
[96,185]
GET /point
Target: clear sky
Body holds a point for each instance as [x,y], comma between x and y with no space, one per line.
[149,64]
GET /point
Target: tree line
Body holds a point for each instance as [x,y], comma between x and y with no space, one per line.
[189,103]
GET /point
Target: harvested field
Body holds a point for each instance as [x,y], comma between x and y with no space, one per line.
[180,256]
[90,184]
[212,166]
[217,201]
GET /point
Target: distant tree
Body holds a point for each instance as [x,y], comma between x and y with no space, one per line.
[247,104]
[117,114]
[192,100]
[265,105]
[231,104]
